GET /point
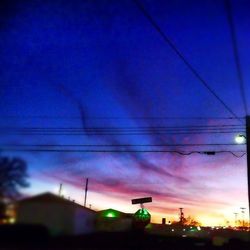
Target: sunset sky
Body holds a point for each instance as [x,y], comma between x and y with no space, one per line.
[107,56]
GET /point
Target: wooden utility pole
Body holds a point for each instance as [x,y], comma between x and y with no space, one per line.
[86,192]
[248,161]
[60,190]
[235,221]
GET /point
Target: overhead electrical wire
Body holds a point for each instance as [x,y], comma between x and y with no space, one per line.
[182,57]
[238,156]
[123,130]
[222,126]
[234,153]
[123,145]
[130,132]
[236,53]
[69,132]
[65,117]
[146,133]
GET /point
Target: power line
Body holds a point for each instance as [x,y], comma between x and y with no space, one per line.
[238,156]
[122,145]
[125,131]
[222,126]
[181,56]
[236,53]
[65,117]
[75,133]
[120,131]
[122,134]
[234,153]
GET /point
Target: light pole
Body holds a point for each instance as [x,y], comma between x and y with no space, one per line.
[243,215]
[235,222]
[248,161]
[240,139]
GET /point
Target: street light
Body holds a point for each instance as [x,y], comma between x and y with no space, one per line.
[243,215]
[240,139]
[235,222]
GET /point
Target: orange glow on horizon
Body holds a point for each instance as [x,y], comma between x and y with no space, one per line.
[223,216]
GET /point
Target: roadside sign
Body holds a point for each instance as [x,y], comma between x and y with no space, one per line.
[142,200]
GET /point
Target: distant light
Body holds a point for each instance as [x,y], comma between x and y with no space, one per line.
[184,229]
[172,230]
[12,220]
[199,228]
[240,139]
[191,227]
[64,193]
[110,215]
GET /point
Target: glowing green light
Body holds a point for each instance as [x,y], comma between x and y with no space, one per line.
[143,211]
[142,214]
[110,215]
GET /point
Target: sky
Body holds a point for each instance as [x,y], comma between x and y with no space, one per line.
[101,64]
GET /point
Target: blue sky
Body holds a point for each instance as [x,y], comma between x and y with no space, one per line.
[107,55]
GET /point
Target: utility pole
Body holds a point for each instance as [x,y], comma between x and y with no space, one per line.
[243,215]
[248,161]
[86,192]
[60,190]
[235,221]
[181,215]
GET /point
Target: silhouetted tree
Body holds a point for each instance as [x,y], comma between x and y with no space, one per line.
[189,221]
[13,175]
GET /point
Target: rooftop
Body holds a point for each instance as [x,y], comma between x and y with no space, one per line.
[49,197]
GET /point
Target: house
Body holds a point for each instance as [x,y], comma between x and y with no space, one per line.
[111,220]
[59,215]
